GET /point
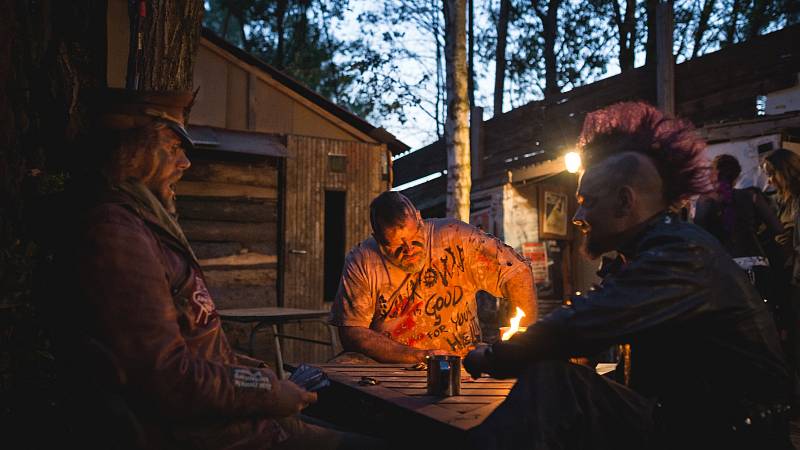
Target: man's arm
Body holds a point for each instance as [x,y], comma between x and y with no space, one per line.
[520,290]
[500,270]
[665,286]
[379,347]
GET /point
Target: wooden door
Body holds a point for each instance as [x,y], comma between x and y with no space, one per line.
[313,166]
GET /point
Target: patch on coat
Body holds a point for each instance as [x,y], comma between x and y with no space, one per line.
[203,306]
[253,379]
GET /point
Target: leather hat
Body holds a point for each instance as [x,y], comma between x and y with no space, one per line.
[122,109]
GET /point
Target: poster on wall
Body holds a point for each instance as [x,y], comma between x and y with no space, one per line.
[553,213]
[546,257]
[536,253]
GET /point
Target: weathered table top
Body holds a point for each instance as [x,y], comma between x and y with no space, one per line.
[399,409]
[407,389]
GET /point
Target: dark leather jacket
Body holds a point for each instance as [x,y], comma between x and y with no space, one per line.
[143,296]
[702,341]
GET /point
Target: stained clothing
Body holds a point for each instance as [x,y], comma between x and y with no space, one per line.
[434,308]
[704,346]
[750,210]
[144,297]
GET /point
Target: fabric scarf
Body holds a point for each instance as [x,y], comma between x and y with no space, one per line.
[725,191]
[145,202]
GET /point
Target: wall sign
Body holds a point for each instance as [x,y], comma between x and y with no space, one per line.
[553,213]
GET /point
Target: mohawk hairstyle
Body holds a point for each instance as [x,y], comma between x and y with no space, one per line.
[388,210]
[670,143]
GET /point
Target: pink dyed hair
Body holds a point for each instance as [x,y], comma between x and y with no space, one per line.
[671,143]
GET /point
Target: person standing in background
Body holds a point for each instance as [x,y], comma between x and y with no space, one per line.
[783,171]
[733,217]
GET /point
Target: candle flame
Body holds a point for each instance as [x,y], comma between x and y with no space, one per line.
[514,324]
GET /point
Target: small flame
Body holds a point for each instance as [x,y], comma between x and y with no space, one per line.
[514,324]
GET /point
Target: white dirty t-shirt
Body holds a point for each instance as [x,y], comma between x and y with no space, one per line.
[432,309]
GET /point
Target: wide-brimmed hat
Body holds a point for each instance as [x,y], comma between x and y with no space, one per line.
[122,109]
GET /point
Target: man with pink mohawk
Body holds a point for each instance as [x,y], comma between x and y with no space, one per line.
[706,369]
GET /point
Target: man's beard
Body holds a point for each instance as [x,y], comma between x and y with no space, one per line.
[411,268]
[591,248]
[167,198]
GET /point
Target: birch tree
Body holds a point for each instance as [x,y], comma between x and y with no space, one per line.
[459,180]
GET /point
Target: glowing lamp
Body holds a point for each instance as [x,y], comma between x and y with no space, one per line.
[573,162]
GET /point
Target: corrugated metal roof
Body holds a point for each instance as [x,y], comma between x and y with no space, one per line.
[246,142]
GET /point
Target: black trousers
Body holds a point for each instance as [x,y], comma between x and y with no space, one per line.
[558,405]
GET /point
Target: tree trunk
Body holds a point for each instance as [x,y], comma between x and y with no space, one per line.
[471,47]
[439,82]
[280,13]
[550,32]
[626,30]
[650,58]
[459,180]
[50,52]
[702,26]
[730,31]
[757,19]
[500,56]
[171,34]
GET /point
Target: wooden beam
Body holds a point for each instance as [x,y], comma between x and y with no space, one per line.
[244,277]
[204,189]
[476,139]
[228,210]
[212,231]
[550,167]
[251,101]
[246,259]
[750,128]
[246,174]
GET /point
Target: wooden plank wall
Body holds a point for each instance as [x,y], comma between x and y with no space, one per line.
[236,95]
[307,179]
[228,210]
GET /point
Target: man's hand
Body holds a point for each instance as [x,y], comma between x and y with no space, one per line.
[291,398]
[478,361]
[382,348]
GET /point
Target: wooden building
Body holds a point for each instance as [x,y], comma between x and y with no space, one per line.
[518,156]
[279,186]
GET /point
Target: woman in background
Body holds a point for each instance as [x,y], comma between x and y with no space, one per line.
[783,169]
[733,216]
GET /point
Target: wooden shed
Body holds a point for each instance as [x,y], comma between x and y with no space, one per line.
[279,187]
[309,167]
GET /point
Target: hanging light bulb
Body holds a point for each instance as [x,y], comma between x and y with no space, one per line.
[573,162]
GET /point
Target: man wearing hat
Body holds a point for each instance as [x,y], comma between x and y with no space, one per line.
[143,298]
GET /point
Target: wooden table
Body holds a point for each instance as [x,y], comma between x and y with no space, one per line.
[272,316]
[399,409]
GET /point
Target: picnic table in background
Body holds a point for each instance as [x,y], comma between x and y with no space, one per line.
[272,317]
